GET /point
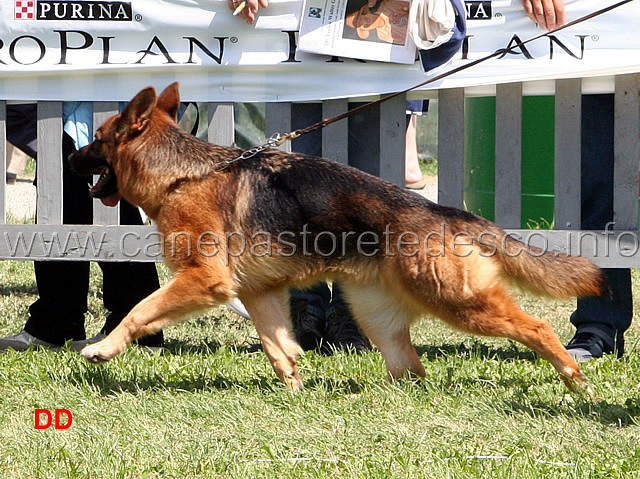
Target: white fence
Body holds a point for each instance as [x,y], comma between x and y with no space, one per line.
[49,239]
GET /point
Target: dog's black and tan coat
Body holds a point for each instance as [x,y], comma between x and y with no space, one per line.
[276,220]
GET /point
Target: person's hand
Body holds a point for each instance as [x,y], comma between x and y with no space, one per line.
[548,14]
[250,11]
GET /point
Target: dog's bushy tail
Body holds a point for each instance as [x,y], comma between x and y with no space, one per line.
[545,273]
[549,273]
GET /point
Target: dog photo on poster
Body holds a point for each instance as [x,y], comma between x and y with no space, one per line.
[354,29]
[387,21]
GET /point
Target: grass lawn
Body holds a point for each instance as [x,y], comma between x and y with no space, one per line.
[210,408]
[429,167]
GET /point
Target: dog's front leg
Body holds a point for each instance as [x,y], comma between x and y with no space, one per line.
[189,291]
[270,315]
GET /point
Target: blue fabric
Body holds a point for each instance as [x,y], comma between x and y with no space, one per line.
[440,55]
[417,107]
[77,118]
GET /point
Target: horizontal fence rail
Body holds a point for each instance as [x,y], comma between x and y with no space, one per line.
[612,248]
[106,240]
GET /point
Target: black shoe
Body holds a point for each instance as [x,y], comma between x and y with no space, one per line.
[342,330]
[589,343]
[308,324]
[153,341]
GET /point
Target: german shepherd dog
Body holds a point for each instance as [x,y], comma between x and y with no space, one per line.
[250,229]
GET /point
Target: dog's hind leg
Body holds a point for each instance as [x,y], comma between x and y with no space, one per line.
[270,315]
[191,290]
[493,313]
[385,320]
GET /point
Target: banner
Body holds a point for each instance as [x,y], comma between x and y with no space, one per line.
[109,50]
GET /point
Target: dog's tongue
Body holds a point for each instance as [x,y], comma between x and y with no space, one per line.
[111,200]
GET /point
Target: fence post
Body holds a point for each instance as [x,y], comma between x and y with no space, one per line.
[626,151]
[508,166]
[104,215]
[278,120]
[451,147]
[335,137]
[3,161]
[393,130]
[221,129]
[49,169]
[567,154]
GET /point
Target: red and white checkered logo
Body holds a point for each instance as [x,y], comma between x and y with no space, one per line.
[25,10]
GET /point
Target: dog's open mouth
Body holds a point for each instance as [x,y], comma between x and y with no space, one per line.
[106,188]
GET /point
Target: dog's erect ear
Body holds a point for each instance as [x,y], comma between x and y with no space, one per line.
[138,112]
[169,100]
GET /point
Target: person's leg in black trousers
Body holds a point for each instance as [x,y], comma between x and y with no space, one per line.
[126,284]
[600,322]
[58,314]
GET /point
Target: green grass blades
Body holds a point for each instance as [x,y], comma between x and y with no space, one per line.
[210,408]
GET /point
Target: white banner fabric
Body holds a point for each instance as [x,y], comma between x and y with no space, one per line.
[102,50]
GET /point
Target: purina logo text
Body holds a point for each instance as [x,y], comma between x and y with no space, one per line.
[70,10]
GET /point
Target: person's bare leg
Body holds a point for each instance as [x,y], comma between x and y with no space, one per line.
[412,171]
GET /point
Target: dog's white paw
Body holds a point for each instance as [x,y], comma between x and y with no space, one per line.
[293,382]
[94,353]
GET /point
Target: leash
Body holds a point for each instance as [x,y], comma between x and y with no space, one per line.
[277,139]
[272,142]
